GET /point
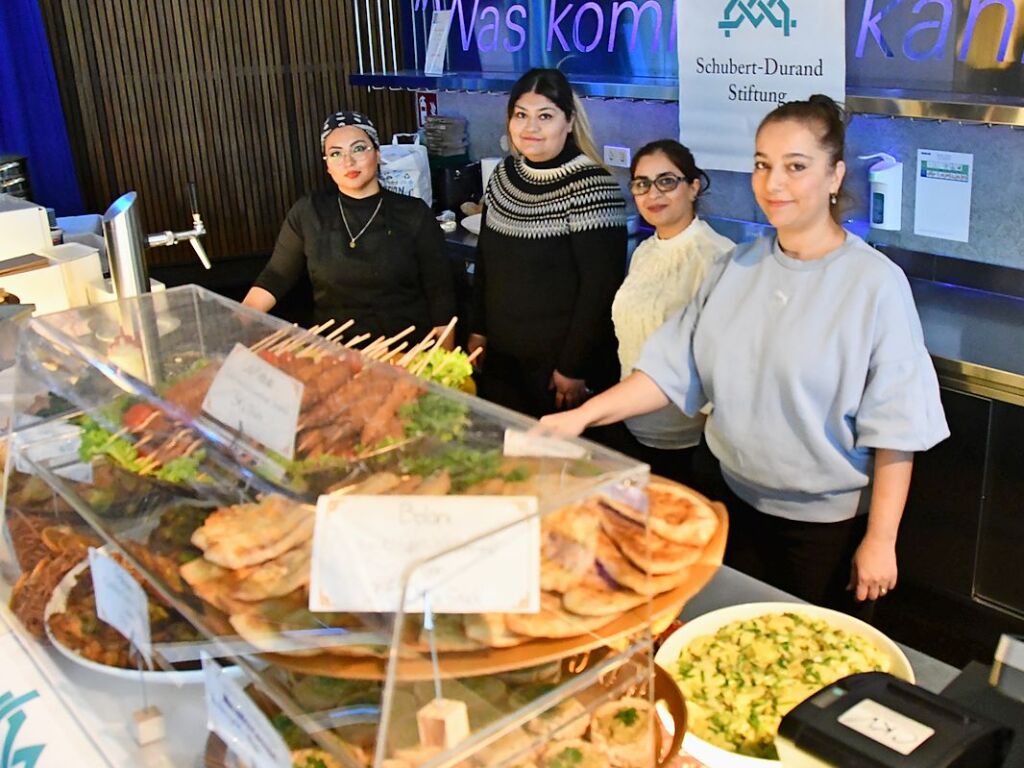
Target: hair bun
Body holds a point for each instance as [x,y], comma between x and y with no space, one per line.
[827,103]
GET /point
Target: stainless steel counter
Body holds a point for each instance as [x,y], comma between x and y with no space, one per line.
[976,339]
[730,587]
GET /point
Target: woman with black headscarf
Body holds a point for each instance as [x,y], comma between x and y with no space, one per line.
[372,255]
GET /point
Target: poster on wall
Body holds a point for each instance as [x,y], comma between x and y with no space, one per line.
[739,59]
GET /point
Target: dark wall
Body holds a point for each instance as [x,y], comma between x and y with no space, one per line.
[228,93]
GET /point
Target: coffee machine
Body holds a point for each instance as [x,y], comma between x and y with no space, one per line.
[454,186]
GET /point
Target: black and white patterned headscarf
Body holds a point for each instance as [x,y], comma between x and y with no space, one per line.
[341,119]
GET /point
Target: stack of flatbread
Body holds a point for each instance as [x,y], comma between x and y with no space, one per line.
[256,566]
[599,558]
[603,557]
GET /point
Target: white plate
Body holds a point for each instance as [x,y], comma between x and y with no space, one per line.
[709,623]
[57,603]
[472,223]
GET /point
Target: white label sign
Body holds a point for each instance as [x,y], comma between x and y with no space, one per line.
[437,43]
[886,726]
[54,445]
[739,59]
[233,716]
[365,546]
[35,726]
[254,397]
[121,601]
[942,195]
[519,443]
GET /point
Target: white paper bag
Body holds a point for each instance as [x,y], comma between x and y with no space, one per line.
[404,168]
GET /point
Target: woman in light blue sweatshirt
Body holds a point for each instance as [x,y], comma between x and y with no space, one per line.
[808,346]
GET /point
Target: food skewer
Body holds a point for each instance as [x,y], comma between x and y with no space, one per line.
[390,354]
[371,349]
[303,339]
[266,341]
[421,347]
[357,340]
[336,333]
[440,342]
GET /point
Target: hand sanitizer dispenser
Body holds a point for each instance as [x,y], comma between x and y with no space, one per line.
[886,180]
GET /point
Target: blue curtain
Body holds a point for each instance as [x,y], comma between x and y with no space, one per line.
[31,118]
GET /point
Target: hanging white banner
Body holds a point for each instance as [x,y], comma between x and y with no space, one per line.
[739,59]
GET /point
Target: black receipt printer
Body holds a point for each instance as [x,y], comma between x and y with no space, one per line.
[874,720]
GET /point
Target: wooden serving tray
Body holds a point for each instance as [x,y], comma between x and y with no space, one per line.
[658,613]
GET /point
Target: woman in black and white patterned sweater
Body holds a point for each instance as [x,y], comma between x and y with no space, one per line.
[551,255]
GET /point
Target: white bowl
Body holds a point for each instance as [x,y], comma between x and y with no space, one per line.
[472,223]
[709,623]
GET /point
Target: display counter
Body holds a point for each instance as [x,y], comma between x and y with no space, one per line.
[102,704]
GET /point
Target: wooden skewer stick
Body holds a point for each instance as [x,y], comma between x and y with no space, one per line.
[390,354]
[411,354]
[336,333]
[476,353]
[110,440]
[304,339]
[374,346]
[401,335]
[278,345]
[439,345]
[357,340]
[266,341]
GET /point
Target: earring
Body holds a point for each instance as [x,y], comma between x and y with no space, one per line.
[833,199]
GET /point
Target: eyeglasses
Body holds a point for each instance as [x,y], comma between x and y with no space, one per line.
[357,153]
[664,183]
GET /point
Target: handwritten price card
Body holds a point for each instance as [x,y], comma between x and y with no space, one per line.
[254,397]
[365,547]
[519,443]
[233,716]
[121,601]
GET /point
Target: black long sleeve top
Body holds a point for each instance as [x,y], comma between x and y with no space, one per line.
[551,255]
[397,274]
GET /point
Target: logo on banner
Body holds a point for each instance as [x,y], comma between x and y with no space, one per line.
[13,719]
[775,12]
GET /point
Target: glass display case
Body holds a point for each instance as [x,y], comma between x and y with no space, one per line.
[405,575]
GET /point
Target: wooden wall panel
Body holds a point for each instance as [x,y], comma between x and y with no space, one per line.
[229,94]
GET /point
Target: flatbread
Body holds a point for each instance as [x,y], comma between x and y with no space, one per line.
[568,545]
[553,621]
[595,596]
[250,534]
[647,550]
[491,630]
[449,635]
[276,577]
[264,625]
[616,565]
[676,513]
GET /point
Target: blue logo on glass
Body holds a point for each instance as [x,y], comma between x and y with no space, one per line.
[13,718]
[775,12]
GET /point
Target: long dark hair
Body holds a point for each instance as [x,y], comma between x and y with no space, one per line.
[553,85]
[680,156]
[826,120]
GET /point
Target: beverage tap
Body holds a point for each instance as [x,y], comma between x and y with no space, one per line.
[168,237]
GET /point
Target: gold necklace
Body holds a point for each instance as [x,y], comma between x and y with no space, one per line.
[351,239]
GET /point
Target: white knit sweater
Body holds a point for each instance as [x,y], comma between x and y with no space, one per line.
[663,277]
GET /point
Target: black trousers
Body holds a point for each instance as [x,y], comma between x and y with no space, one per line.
[808,560]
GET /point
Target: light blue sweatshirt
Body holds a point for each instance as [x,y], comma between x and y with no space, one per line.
[808,365]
